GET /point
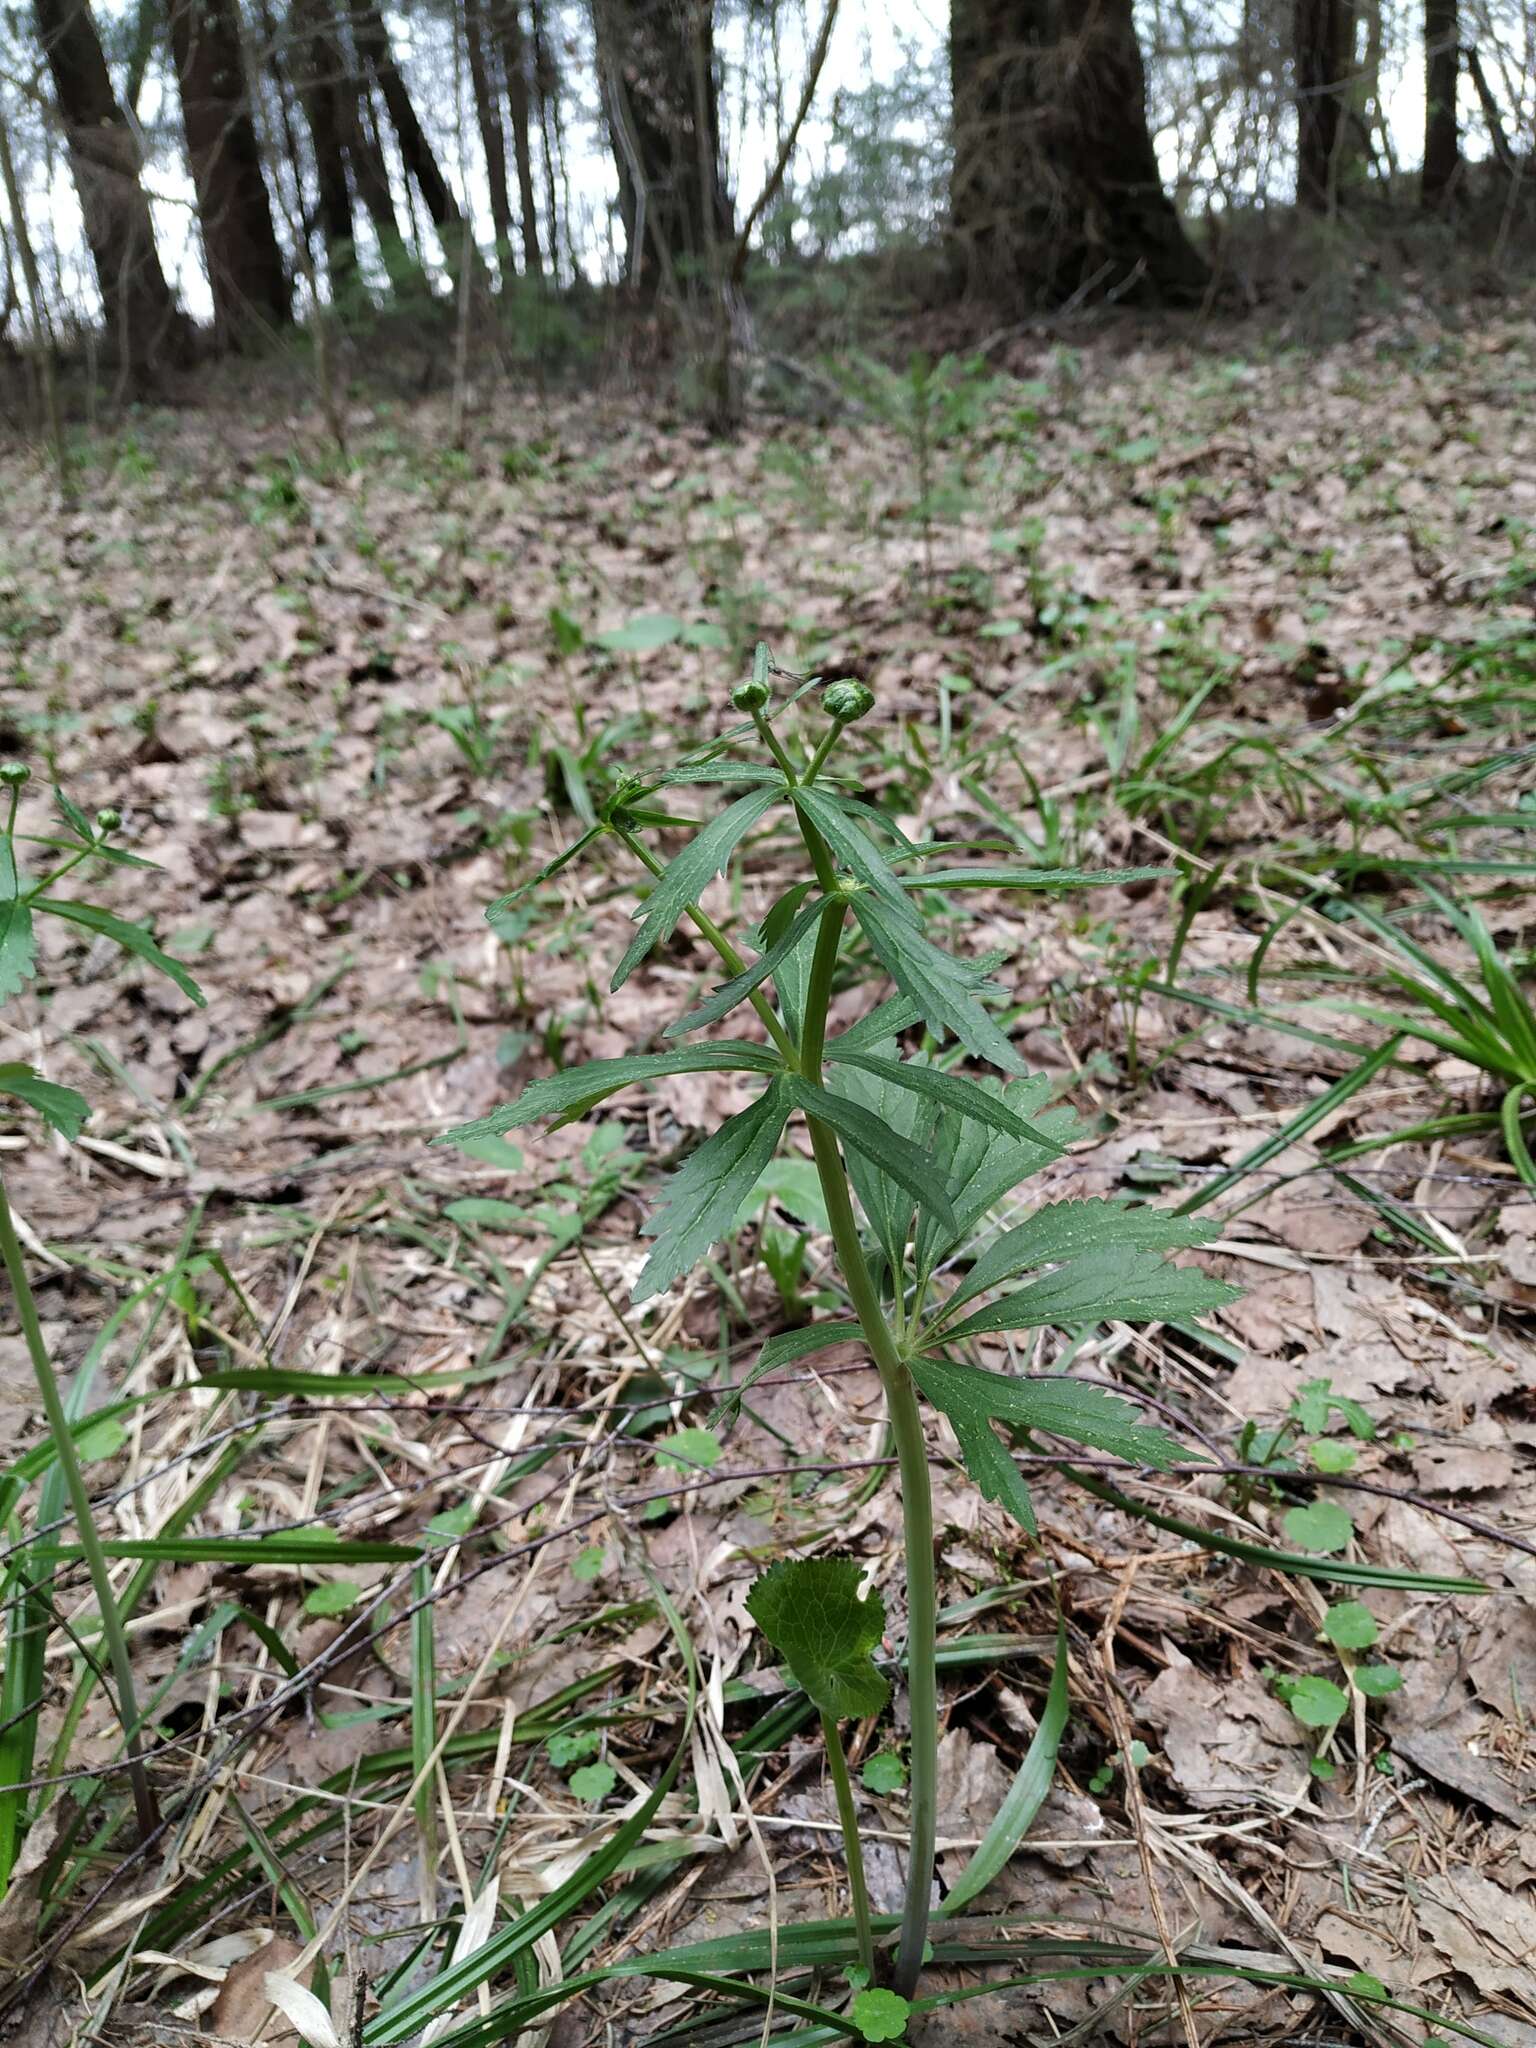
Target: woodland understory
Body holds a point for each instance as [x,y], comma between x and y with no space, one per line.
[1256,616]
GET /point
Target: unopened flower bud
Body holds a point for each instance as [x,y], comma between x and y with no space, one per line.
[14,773]
[108,820]
[751,695]
[847,701]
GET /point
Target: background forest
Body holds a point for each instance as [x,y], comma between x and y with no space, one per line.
[186,173]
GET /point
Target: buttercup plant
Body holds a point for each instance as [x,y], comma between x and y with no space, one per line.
[923,1153]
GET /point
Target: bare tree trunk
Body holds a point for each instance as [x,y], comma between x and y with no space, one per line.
[486,86]
[318,70]
[1055,187]
[1442,137]
[143,321]
[1323,34]
[246,276]
[415,150]
[42,332]
[1503,155]
[514,58]
[665,134]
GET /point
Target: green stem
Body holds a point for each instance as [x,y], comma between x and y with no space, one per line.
[80,1500]
[770,740]
[709,931]
[911,1460]
[829,740]
[853,1851]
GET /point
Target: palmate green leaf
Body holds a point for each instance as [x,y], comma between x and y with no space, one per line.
[718,771]
[895,1156]
[889,1208]
[65,1110]
[570,1094]
[884,1023]
[1070,1230]
[740,986]
[950,1091]
[1086,1414]
[1125,1286]
[941,987]
[18,952]
[851,845]
[685,880]
[574,851]
[982,1168]
[784,1349]
[703,1196]
[810,1610]
[133,938]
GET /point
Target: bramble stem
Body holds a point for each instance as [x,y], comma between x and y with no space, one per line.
[853,1850]
[912,1465]
[80,1501]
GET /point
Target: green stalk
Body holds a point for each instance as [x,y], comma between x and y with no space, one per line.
[853,1851]
[80,1501]
[912,1465]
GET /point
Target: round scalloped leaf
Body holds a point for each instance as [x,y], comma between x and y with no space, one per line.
[810,1610]
[880,2015]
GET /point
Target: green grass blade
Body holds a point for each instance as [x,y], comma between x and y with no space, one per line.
[1299,1563]
[405,2018]
[1342,1091]
[1025,1795]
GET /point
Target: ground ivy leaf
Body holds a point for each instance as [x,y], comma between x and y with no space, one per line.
[1377,1680]
[1316,1702]
[1322,1527]
[690,1450]
[884,1773]
[335,1596]
[810,1610]
[880,2015]
[703,1196]
[593,1782]
[1350,1625]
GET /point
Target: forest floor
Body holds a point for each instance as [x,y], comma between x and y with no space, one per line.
[1265,619]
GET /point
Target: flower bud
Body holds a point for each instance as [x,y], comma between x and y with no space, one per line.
[847,700]
[108,820]
[751,695]
[14,773]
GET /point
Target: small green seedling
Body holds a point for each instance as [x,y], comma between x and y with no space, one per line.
[921,1151]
